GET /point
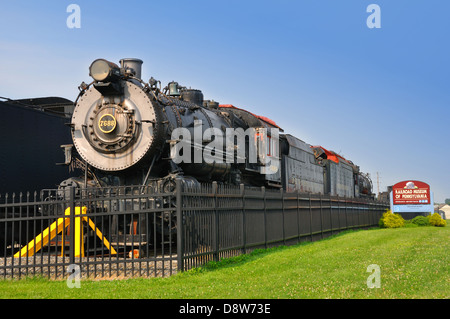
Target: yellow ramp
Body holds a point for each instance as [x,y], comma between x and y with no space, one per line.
[55,228]
[42,239]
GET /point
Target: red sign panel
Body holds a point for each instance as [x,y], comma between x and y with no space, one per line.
[411,193]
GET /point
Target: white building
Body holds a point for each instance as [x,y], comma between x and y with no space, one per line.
[443,210]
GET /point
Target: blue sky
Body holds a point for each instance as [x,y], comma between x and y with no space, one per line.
[379,97]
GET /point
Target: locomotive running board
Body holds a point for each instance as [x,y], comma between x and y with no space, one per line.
[54,229]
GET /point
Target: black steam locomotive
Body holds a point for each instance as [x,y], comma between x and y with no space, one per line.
[129,132]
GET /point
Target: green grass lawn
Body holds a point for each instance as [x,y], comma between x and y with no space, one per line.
[414,263]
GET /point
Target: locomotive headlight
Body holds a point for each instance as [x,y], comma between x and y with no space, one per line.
[103,71]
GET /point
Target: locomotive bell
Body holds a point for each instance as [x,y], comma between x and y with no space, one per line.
[173,89]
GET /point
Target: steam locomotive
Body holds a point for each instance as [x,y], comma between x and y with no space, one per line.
[126,131]
[129,132]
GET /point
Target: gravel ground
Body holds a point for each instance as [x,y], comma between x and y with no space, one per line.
[90,267]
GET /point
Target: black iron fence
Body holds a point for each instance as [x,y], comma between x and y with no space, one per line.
[158,230]
[223,221]
[106,232]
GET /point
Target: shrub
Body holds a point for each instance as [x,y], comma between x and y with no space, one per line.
[390,220]
[421,221]
[409,223]
[436,220]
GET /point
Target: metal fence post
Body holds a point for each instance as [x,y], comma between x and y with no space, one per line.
[72,225]
[321,217]
[263,191]
[359,213]
[298,216]
[180,228]
[331,214]
[244,226]
[372,211]
[216,223]
[283,217]
[346,214]
[310,218]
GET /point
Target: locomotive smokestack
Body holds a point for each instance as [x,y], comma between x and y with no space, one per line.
[134,64]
